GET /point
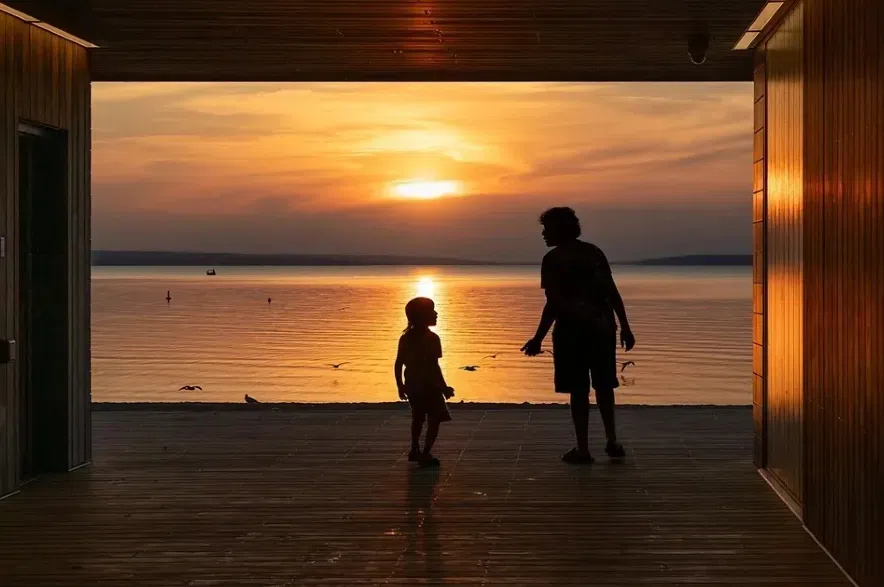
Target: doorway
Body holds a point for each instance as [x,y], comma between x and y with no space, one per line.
[43,294]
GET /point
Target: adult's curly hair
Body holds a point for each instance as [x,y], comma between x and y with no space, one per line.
[563,221]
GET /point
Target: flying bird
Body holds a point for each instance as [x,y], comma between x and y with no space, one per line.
[470,367]
[338,365]
[190,388]
[344,308]
[494,356]
[626,364]
[250,400]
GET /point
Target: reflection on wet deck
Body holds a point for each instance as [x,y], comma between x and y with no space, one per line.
[324,495]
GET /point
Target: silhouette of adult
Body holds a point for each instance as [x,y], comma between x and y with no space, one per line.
[581,299]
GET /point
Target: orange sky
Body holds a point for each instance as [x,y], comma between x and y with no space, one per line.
[651,168]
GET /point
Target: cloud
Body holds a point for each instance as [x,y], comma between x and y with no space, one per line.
[489,227]
[278,167]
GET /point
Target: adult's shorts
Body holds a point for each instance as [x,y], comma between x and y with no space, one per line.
[583,359]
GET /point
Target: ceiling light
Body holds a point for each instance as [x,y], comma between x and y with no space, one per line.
[767,13]
[16,13]
[746,40]
[47,27]
[64,35]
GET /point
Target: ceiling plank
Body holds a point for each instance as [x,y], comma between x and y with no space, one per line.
[404,40]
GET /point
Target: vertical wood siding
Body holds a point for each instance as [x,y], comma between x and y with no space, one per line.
[784,227]
[8,381]
[844,269]
[759,263]
[44,79]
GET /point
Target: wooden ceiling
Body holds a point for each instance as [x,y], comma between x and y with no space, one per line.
[404,40]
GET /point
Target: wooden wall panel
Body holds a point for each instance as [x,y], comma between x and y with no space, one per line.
[79,264]
[844,268]
[44,79]
[759,262]
[8,414]
[784,229]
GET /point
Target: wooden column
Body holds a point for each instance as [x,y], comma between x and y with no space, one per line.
[784,275]
[44,80]
[844,269]
[759,262]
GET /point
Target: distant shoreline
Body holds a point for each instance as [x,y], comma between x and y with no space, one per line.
[697,261]
[208,260]
[101,258]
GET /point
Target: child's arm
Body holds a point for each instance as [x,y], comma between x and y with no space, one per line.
[439,376]
[397,372]
[448,391]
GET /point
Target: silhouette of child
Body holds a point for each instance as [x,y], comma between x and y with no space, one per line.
[424,386]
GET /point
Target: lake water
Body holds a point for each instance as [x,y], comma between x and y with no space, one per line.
[693,327]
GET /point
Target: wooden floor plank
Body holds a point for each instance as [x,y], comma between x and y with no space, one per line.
[324,496]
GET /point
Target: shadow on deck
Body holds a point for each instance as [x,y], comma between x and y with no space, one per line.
[324,496]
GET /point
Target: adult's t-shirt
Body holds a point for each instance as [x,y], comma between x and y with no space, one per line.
[577,279]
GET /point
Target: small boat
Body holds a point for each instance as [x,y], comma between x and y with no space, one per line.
[210,272]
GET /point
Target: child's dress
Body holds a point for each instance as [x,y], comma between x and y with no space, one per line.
[420,352]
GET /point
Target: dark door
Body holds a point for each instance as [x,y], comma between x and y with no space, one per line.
[43,347]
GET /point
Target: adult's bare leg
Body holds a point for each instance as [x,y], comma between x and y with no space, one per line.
[605,399]
[580,417]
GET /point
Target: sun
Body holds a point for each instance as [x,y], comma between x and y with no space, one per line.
[425,190]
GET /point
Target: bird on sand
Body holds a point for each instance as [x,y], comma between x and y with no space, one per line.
[626,364]
[470,367]
[338,365]
[269,300]
[250,400]
[168,296]
[190,388]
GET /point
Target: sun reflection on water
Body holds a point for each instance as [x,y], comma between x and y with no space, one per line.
[426,287]
[325,316]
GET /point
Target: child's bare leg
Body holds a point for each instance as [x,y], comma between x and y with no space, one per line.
[417,425]
[432,433]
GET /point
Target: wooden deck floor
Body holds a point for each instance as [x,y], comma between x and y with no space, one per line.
[325,497]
